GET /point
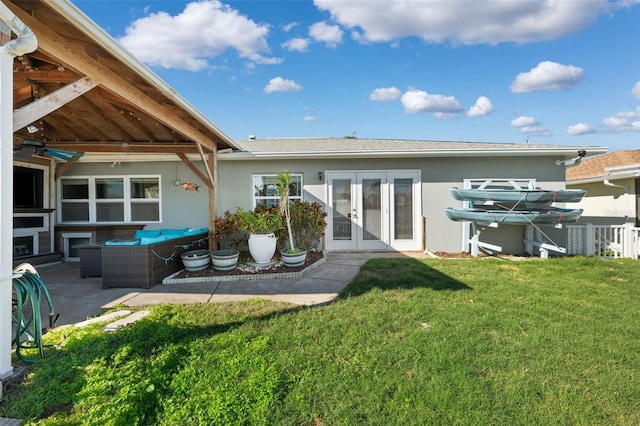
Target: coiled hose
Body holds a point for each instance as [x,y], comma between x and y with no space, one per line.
[29,290]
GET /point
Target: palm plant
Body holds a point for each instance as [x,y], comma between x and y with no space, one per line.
[284,189]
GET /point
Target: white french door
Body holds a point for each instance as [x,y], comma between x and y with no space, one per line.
[374,210]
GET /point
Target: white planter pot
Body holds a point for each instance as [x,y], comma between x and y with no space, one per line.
[224,260]
[295,259]
[262,247]
[195,260]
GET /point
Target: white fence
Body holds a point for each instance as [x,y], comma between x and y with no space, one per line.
[610,241]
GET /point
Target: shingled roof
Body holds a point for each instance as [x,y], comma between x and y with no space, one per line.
[390,148]
[599,167]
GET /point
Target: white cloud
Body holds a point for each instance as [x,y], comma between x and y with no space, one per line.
[535,130]
[385,94]
[331,35]
[624,121]
[580,129]
[482,107]
[288,27]
[202,31]
[297,44]
[524,120]
[309,118]
[636,90]
[279,84]
[464,21]
[547,75]
[415,101]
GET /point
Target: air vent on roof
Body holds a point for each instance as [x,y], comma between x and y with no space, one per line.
[252,137]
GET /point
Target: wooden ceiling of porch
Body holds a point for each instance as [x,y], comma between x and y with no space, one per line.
[81,95]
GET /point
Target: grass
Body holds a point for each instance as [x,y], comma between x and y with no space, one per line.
[468,342]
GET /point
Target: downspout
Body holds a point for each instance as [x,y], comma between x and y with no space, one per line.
[26,42]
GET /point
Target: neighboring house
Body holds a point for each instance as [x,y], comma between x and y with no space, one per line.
[612,182]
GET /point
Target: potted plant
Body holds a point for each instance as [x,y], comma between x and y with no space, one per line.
[261,225]
[293,256]
[230,239]
[308,223]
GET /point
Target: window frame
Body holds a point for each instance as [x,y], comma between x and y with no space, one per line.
[255,199]
[93,201]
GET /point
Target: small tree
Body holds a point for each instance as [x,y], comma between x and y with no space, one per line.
[284,189]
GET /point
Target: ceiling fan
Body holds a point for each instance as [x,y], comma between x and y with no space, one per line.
[29,147]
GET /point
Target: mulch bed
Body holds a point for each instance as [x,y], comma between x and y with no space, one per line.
[312,257]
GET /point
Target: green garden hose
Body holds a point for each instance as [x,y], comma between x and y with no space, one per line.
[29,290]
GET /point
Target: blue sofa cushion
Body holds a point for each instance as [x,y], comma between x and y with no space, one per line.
[122,243]
[147,233]
[194,231]
[152,240]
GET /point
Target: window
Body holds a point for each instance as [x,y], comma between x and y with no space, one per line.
[110,199]
[266,194]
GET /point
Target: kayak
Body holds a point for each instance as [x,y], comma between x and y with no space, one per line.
[519,195]
[519,217]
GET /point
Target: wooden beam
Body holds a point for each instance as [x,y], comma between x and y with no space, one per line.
[98,146]
[52,44]
[213,199]
[35,110]
[195,170]
[206,163]
[64,167]
[46,76]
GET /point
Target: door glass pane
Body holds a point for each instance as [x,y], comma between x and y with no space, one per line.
[403,209]
[371,209]
[341,194]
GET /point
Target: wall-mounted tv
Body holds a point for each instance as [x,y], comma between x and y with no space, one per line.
[28,188]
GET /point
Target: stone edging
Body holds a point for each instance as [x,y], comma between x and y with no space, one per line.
[246,277]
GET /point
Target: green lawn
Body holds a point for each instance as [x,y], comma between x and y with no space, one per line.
[436,341]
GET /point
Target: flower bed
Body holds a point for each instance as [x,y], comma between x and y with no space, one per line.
[242,269]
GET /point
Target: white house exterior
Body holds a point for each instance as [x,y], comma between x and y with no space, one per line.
[613,187]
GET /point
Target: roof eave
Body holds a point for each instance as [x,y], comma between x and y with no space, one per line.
[248,155]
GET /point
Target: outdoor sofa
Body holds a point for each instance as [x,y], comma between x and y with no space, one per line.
[144,260]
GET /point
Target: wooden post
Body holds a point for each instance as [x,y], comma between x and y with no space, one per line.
[213,205]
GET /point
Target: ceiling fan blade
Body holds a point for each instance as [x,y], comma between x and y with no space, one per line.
[61,154]
[24,153]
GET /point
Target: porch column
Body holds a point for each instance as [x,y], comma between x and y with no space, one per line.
[9,49]
[6,206]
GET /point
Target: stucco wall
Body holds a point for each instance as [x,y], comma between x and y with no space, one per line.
[179,208]
[182,208]
[438,175]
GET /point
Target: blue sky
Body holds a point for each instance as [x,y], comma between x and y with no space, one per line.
[547,71]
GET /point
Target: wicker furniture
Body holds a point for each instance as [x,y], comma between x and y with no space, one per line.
[90,260]
[146,265]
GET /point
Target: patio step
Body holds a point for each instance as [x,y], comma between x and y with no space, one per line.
[126,321]
[5,421]
[102,318]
